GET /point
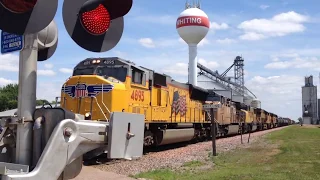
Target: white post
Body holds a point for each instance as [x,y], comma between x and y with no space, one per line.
[27,98]
[193,64]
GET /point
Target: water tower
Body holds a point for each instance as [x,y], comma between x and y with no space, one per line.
[193,25]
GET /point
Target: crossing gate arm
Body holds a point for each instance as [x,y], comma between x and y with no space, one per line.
[62,156]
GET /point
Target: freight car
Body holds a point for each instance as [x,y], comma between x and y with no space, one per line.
[284,121]
[173,110]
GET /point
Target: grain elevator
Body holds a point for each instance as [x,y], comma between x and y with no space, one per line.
[309,102]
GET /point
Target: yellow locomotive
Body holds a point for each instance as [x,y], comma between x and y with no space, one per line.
[173,110]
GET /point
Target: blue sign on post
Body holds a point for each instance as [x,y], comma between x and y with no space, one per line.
[11,42]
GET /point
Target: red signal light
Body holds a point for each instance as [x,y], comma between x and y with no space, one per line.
[19,6]
[96,21]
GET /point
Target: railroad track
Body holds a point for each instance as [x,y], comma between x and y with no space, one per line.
[102,159]
[174,156]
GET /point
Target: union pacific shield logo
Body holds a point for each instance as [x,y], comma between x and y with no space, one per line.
[84,90]
[81,90]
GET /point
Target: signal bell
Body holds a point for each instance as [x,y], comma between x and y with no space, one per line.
[26,16]
[95,25]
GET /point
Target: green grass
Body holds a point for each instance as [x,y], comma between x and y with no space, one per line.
[291,153]
[193,164]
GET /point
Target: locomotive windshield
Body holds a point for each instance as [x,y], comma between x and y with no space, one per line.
[103,67]
[119,73]
[83,71]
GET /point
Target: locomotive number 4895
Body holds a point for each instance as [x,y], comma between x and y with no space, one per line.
[137,95]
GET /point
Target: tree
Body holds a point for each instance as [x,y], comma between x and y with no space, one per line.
[40,102]
[9,97]
[300,120]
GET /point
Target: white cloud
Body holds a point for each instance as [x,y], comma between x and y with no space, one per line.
[279,25]
[162,42]
[48,66]
[181,68]
[48,90]
[226,41]
[275,91]
[147,42]
[263,6]
[278,65]
[311,63]
[120,53]
[160,19]
[4,81]
[296,52]
[9,62]
[216,26]
[290,17]
[181,40]
[203,42]
[66,70]
[166,42]
[285,3]
[284,55]
[246,74]
[209,64]
[47,72]
[177,69]
[252,36]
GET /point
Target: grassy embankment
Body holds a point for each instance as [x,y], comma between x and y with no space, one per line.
[291,153]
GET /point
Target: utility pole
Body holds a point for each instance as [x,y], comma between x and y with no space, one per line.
[212,108]
[213,132]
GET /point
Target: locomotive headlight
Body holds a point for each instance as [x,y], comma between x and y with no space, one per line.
[95,61]
[87,116]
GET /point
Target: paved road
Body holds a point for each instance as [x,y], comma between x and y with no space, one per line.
[90,173]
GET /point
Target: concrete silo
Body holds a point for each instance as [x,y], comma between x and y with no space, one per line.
[309,102]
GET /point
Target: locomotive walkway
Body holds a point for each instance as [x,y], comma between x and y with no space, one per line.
[90,173]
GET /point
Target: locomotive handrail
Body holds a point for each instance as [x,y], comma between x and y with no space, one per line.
[100,108]
[106,107]
[103,102]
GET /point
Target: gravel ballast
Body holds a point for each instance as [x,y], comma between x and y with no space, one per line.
[174,158]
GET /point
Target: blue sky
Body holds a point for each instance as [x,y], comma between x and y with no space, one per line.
[278,40]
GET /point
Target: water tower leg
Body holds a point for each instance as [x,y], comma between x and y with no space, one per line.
[193,64]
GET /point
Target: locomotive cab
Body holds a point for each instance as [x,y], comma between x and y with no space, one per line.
[99,86]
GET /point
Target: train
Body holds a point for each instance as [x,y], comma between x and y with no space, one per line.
[174,111]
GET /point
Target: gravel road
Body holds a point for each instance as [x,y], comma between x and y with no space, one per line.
[174,158]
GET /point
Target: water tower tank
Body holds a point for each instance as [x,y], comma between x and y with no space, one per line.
[256,103]
[193,25]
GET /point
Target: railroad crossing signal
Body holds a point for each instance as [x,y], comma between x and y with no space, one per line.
[95,25]
[26,16]
[47,41]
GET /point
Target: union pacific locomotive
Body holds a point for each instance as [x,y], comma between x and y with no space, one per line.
[173,110]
